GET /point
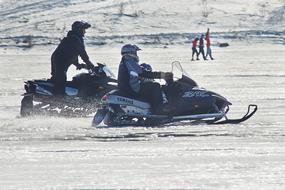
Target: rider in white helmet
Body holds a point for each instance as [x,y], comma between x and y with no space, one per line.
[130,79]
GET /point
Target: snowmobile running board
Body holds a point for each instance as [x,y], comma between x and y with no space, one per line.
[211,118]
[199,116]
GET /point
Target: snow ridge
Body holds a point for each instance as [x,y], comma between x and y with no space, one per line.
[149,22]
[163,39]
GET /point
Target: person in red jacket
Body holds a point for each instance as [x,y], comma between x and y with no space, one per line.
[208,44]
[194,49]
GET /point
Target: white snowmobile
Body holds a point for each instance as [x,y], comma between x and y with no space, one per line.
[186,99]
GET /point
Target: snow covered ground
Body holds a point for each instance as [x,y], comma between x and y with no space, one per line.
[163,22]
[60,153]
[67,153]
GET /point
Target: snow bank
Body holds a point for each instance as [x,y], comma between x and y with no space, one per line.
[149,22]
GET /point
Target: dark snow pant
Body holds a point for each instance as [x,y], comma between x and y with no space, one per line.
[58,78]
[201,50]
[194,51]
[151,92]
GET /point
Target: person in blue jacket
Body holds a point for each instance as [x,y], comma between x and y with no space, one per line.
[67,53]
[131,79]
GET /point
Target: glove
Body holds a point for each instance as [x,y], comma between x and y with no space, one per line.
[90,66]
[80,66]
[167,76]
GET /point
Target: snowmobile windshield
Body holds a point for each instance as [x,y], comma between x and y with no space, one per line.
[178,70]
[181,75]
[108,72]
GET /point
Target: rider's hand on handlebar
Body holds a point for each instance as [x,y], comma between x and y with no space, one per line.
[167,76]
[80,66]
[90,66]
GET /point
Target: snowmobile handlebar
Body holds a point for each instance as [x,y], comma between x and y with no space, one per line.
[80,66]
[101,69]
[167,76]
[90,68]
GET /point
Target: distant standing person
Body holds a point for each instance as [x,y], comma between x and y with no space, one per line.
[201,47]
[194,49]
[209,51]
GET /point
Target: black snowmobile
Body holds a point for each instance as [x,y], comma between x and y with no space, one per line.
[81,99]
[186,100]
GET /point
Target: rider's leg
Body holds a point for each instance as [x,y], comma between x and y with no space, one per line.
[59,80]
[151,92]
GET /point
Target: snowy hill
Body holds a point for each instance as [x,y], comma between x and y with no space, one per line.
[32,22]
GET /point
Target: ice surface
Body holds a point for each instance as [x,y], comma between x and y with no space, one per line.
[60,153]
[67,153]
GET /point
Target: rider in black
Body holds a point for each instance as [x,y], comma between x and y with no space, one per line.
[67,54]
[130,79]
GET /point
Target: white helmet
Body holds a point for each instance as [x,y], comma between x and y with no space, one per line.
[129,49]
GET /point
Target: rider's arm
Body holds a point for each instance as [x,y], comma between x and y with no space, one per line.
[207,35]
[157,75]
[76,62]
[151,75]
[83,54]
[86,59]
[133,70]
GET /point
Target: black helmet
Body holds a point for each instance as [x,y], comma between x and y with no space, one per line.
[146,67]
[129,49]
[78,26]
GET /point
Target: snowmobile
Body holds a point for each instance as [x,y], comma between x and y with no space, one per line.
[185,99]
[82,94]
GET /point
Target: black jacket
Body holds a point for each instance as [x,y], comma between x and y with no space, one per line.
[201,42]
[68,51]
